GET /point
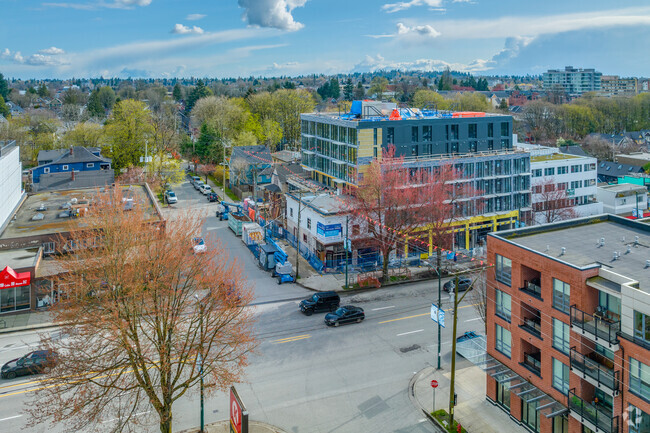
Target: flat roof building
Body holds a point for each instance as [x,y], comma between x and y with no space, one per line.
[574,81]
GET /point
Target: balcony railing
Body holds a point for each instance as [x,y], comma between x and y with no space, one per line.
[601,328]
[608,377]
[595,415]
[533,325]
[532,289]
[533,362]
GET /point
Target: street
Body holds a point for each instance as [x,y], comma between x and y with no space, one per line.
[304,377]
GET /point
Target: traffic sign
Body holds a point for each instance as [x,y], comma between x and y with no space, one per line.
[434,384]
[438,315]
[238,413]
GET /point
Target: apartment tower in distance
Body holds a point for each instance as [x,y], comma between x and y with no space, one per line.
[574,81]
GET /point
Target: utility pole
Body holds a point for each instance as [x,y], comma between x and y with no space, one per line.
[200,359]
[345,245]
[439,259]
[298,237]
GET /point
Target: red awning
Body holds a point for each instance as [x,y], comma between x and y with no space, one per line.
[10,278]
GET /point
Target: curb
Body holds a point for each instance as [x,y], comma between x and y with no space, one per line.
[416,402]
[28,328]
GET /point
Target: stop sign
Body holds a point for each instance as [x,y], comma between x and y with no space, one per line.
[434,384]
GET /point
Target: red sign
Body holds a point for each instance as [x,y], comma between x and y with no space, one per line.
[238,413]
[10,278]
[434,384]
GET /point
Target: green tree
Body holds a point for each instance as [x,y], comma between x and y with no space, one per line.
[128,130]
[288,105]
[101,101]
[425,98]
[208,147]
[74,96]
[177,93]
[348,90]
[4,87]
[272,133]
[199,91]
[445,82]
[4,110]
[503,105]
[359,92]
[43,91]
[378,86]
[87,134]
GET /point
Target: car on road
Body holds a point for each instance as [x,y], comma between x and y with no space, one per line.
[205,189]
[464,283]
[170,197]
[318,302]
[39,361]
[198,185]
[194,179]
[199,246]
[345,314]
[212,196]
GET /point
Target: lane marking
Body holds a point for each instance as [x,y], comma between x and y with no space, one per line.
[471,320]
[11,417]
[411,332]
[423,314]
[382,308]
[290,339]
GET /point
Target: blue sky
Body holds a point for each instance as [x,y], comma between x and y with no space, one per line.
[230,38]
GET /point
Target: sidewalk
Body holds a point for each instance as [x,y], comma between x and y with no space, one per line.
[224,427]
[26,321]
[473,412]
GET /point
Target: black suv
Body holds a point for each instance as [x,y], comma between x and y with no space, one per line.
[39,361]
[323,301]
[464,283]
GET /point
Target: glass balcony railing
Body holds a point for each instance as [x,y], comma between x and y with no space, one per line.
[533,325]
[532,289]
[600,417]
[602,374]
[599,327]
[533,362]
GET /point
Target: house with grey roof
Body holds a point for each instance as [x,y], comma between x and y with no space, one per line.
[76,167]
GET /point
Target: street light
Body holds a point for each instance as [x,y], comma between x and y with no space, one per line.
[200,359]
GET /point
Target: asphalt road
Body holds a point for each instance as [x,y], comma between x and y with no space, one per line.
[305,377]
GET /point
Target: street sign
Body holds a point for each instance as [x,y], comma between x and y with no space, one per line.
[441,318]
[434,384]
[238,413]
[438,315]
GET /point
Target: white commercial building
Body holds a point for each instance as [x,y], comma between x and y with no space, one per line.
[560,181]
[623,199]
[11,191]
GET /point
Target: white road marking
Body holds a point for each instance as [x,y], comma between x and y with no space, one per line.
[471,320]
[11,417]
[382,308]
[411,332]
[215,228]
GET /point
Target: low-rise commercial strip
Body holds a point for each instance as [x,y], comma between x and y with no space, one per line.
[569,323]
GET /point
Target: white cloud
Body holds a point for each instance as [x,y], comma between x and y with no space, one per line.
[272,13]
[399,6]
[378,63]
[180,29]
[423,30]
[195,17]
[33,60]
[52,51]
[115,4]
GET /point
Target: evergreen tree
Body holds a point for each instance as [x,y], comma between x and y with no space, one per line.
[359,92]
[43,91]
[4,110]
[198,92]
[177,93]
[4,87]
[348,90]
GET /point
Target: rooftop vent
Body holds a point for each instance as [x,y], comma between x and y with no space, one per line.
[636,240]
[601,242]
[647,263]
[615,256]
[562,251]
[629,249]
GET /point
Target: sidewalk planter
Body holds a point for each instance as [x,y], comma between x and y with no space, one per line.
[441,417]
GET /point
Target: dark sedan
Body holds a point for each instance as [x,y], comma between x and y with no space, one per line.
[345,314]
[212,196]
[39,361]
[464,283]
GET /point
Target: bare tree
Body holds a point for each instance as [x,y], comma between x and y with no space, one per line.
[478,297]
[146,319]
[551,202]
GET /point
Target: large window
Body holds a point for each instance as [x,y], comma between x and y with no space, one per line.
[639,378]
[638,421]
[427,134]
[454,132]
[390,135]
[642,326]
[15,298]
[560,376]
[561,336]
[560,424]
[471,130]
[530,414]
[503,394]
[503,269]
[414,134]
[505,129]
[504,340]
[561,294]
[503,303]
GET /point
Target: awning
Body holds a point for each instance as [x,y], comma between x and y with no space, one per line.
[10,278]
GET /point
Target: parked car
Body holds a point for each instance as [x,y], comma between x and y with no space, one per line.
[205,189]
[464,283]
[199,246]
[39,361]
[170,197]
[345,314]
[212,196]
[198,184]
[194,179]
[318,302]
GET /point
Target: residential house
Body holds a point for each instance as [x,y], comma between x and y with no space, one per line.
[249,166]
[609,171]
[74,168]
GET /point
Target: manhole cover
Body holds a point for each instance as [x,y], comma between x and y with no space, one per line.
[409,348]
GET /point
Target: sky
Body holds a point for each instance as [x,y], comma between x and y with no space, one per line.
[271,38]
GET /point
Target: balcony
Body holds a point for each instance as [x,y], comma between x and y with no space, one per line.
[533,325]
[597,418]
[601,330]
[597,370]
[533,287]
[533,362]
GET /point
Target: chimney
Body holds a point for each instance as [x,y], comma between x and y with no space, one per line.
[72,175]
[71,150]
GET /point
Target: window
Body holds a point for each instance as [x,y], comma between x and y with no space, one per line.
[537,172]
[414,134]
[304,237]
[537,189]
[562,170]
[503,269]
[561,292]
[90,164]
[503,343]
[490,144]
[414,150]
[639,378]
[309,223]
[471,130]
[490,132]
[560,376]
[503,304]
[604,351]
[561,336]
[530,414]
[375,136]
[560,424]
[549,171]
[427,133]
[472,146]
[291,212]
[562,186]
[576,168]
[390,135]
[65,167]
[576,184]
[638,421]
[642,326]
[454,132]
[15,298]
[48,247]
[503,395]
[374,152]
[46,170]
[505,129]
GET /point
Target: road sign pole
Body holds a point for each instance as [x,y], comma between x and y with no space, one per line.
[434,399]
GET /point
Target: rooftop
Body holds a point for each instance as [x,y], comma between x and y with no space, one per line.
[325,203]
[552,157]
[41,213]
[623,187]
[580,238]
[19,258]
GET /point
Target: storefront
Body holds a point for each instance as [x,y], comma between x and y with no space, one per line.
[15,290]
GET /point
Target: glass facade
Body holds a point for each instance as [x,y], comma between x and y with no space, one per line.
[560,376]
[503,269]
[15,299]
[503,304]
[639,378]
[561,336]
[561,295]
[504,341]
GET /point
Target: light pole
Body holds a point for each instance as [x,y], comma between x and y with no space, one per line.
[200,359]
[439,259]
[345,245]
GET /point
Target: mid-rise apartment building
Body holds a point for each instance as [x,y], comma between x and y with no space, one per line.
[613,85]
[338,148]
[574,81]
[568,321]
[10,180]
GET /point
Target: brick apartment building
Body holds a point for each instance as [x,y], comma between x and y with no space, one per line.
[569,325]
